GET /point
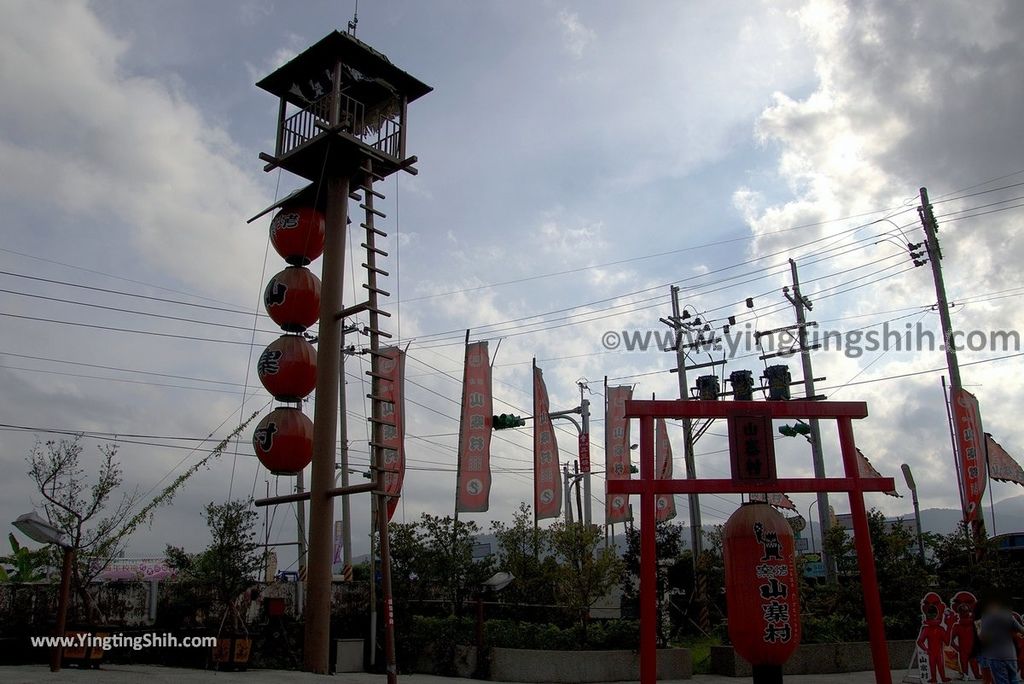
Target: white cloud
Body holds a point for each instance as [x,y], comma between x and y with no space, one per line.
[577,36]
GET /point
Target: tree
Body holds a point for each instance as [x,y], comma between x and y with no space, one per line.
[84,508]
[674,566]
[523,550]
[27,564]
[587,571]
[229,563]
[448,559]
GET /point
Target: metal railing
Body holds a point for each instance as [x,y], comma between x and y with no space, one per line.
[315,119]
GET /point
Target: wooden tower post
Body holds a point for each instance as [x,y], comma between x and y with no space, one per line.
[341,125]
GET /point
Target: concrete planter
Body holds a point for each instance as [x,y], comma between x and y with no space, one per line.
[816,659]
[523,665]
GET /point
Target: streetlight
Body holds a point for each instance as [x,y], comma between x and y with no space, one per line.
[37,529]
[912,486]
[810,527]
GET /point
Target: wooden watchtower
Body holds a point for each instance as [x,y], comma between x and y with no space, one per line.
[342,122]
[341,102]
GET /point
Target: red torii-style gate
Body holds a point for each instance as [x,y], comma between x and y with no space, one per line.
[647,487]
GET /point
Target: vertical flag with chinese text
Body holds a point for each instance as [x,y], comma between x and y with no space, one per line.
[547,476]
[474,477]
[1001,465]
[969,436]
[665,503]
[392,390]
[617,454]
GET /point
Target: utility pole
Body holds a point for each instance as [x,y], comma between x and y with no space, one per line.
[693,501]
[956,385]
[800,303]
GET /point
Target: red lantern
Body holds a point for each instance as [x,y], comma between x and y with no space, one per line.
[298,234]
[287,368]
[284,441]
[292,298]
[761,588]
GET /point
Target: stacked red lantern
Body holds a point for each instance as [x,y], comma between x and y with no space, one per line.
[284,440]
[292,298]
[287,367]
[761,588]
[297,234]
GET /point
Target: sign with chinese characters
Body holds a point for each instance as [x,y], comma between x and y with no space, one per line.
[474,476]
[584,452]
[616,449]
[752,448]
[970,443]
[547,477]
[392,390]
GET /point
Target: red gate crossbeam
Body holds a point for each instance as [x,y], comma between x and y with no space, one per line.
[648,487]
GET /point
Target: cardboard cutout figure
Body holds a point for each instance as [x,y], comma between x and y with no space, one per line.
[932,637]
[961,631]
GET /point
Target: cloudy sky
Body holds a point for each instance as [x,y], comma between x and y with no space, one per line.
[575,159]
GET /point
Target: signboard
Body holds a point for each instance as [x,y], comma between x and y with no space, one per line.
[392,389]
[814,567]
[474,477]
[584,452]
[752,448]
[970,446]
[802,544]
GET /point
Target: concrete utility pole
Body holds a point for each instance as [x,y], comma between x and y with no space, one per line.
[800,303]
[935,259]
[693,500]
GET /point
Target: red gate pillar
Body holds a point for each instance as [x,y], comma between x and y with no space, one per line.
[648,557]
[865,557]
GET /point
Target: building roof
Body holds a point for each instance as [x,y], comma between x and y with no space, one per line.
[353,53]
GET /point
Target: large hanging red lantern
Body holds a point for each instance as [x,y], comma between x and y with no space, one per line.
[761,588]
[287,368]
[297,234]
[292,298]
[284,441]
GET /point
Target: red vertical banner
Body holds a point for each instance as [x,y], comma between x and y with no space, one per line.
[666,503]
[474,478]
[970,442]
[547,477]
[617,454]
[392,390]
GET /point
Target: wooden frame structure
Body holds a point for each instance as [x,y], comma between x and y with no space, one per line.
[647,488]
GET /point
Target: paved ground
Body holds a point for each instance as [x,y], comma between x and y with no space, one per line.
[123,674]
